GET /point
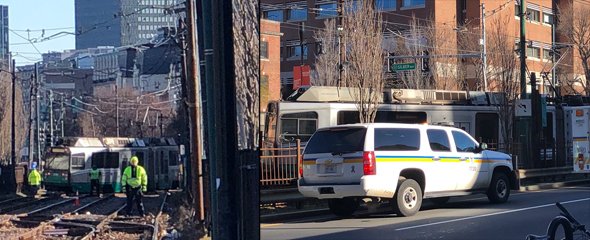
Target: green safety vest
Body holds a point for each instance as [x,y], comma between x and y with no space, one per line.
[134,177]
[34,178]
[94,174]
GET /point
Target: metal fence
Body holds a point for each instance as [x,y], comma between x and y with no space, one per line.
[279,166]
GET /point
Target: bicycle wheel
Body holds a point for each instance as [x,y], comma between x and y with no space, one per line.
[562,223]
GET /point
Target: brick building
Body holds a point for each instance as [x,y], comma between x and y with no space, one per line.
[270,62]
[448,18]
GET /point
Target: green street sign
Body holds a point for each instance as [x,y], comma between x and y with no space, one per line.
[403,66]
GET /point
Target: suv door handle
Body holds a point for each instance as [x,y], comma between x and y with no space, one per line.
[435,158]
[462,158]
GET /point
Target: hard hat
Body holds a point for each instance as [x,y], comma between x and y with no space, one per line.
[34,165]
[134,160]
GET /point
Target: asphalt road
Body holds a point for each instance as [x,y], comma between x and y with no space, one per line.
[471,217]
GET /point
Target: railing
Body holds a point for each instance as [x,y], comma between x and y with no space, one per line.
[279,166]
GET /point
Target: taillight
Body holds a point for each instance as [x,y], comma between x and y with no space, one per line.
[301,166]
[369,165]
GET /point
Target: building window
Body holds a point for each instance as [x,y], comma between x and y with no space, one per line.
[295,51]
[533,15]
[297,14]
[327,10]
[263,49]
[275,15]
[413,3]
[533,52]
[547,54]
[517,10]
[548,18]
[386,4]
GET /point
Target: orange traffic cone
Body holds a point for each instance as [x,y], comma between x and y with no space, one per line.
[76,200]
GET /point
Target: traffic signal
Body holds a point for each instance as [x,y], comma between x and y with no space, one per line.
[48,140]
[425,61]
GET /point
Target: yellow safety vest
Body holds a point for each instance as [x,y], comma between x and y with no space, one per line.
[94,174]
[34,178]
[134,178]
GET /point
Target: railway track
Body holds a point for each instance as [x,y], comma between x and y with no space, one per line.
[94,218]
[12,205]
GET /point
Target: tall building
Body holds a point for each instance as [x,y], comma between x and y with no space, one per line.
[4,50]
[121,22]
[449,21]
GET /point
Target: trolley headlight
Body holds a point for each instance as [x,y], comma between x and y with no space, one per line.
[64,174]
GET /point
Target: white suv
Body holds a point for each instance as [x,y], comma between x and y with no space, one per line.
[401,162]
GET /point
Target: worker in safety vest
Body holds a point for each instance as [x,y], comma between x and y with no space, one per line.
[95,175]
[34,179]
[134,182]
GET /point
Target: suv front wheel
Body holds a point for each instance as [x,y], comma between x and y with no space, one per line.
[499,189]
[343,207]
[407,198]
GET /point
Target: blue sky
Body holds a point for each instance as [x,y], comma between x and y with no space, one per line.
[55,16]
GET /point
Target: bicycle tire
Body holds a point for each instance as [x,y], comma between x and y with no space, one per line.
[556,223]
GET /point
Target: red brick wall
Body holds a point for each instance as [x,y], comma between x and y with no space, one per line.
[270,68]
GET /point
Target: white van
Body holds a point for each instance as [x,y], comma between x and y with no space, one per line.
[401,162]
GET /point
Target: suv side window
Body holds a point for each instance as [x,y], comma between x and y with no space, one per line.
[438,139]
[463,142]
[397,139]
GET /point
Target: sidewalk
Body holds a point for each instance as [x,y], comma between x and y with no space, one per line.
[290,204]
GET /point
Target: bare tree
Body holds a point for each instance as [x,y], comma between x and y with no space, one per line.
[364,56]
[470,68]
[413,42]
[502,61]
[441,41]
[574,24]
[21,126]
[147,115]
[327,61]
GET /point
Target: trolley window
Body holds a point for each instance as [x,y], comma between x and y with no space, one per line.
[298,126]
[487,128]
[78,161]
[173,158]
[98,159]
[163,164]
[111,160]
[351,117]
[57,161]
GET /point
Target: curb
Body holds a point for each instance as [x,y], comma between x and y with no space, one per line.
[269,218]
[554,185]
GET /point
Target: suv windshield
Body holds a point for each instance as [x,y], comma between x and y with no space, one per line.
[337,140]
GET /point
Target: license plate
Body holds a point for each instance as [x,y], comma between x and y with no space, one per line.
[330,168]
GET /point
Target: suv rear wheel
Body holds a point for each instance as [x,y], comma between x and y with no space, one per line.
[499,189]
[343,207]
[407,198]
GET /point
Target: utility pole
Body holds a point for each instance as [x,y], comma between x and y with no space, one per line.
[340,10]
[12,173]
[31,119]
[117,105]
[51,130]
[484,54]
[522,45]
[38,116]
[301,45]
[192,78]
[63,114]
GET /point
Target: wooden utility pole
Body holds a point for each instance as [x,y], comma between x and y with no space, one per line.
[31,119]
[37,116]
[193,91]
[11,171]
